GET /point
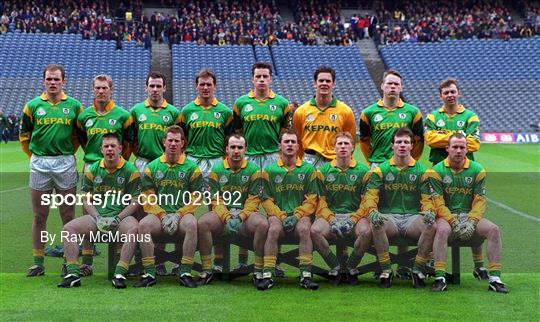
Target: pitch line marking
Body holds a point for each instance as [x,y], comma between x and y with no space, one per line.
[512,210]
[14,189]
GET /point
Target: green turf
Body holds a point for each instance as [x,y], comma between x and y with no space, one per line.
[513,173]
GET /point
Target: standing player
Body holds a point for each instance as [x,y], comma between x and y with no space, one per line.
[207,122]
[234,175]
[398,202]
[261,115]
[290,189]
[48,136]
[172,180]
[460,201]
[318,120]
[379,121]
[111,174]
[440,124]
[452,117]
[150,120]
[339,210]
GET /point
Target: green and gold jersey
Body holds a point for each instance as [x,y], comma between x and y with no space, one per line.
[173,185]
[49,129]
[94,125]
[243,185]
[261,121]
[459,192]
[206,128]
[290,191]
[149,125]
[377,125]
[318,128]
[440,126]
[124,180]
[343,189]
[392,190]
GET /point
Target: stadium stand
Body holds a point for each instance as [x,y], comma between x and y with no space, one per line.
[499,79]
[30,53]
[293,65]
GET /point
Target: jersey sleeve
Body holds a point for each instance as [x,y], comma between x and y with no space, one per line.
[268,201]
[251,204]
[371,197]
[478,207]
[286,120]
[418,130]
[473,134]
[362,212]
[195,185]
[218,207]
[148,189]
[426,202]
[237,118]
[365,136]
[312,190]
[350,124]
[26,128]
[437,191]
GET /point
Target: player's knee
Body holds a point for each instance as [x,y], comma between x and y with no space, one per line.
[494,232]
[316,231]
[304,231]
[273,232]
[145,227]
[364,232]
[443,230]
[191,225]
[203,224]
[262,225]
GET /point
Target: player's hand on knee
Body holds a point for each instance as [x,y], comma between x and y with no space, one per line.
[429,217]
[102,223]
[233,226]
[467,229]
[335,227]
[113,223]
[289,223]
[376,218]
[346,226]
[169,223]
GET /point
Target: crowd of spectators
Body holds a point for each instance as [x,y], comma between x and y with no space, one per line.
[316,22]
[428,21]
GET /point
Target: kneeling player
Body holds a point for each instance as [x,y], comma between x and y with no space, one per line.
[399,189]
[234,175]
[459,198]
[111,174]
[290,189]
[339,209]
[170,180]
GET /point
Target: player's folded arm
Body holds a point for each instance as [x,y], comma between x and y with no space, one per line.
[437,195]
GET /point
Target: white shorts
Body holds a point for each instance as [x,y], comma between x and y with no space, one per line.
[140,164]
[402,221]
[316,160]
[205,165]
[48,172]
[263,160]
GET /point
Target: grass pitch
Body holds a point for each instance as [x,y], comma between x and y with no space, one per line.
[512,185]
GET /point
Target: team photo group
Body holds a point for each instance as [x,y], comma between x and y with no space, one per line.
[262,169]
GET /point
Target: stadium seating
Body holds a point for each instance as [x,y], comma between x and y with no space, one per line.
[25,55]
[293,65]
[498,79]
